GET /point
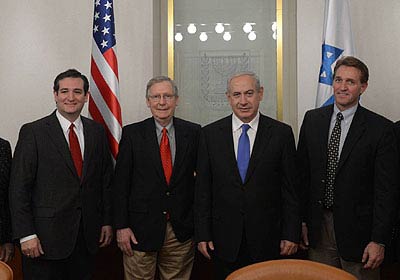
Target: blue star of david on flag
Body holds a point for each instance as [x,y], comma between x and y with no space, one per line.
[329,56]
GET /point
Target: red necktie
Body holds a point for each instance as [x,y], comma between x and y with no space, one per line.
[75,149]
[166,158]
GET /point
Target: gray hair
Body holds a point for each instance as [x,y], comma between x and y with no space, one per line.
[246,73]
[160,79]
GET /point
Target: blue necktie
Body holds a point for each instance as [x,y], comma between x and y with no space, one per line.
[243,155]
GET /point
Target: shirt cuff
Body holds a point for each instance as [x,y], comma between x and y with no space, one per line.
[27,238]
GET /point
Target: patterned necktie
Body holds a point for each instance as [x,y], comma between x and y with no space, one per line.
[243,155]
[75,149]
[166,158]
[333,159]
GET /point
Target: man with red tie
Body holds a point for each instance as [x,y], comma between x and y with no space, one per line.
[60,187]
[153,189]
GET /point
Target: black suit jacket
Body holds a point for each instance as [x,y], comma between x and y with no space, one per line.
[393,252]
[141,194]
[265,206]
[5,166]
[365,184]
[46,195]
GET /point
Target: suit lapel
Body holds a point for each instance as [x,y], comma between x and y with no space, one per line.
[151,144]
[181,143]
[89,136]
[322,126]
[56,135]
[262,139]
[226,145]
[356,130]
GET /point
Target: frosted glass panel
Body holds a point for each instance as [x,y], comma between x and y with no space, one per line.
[213,41]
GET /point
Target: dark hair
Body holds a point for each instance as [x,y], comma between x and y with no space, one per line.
[351,61]
[160,79]
[71,73]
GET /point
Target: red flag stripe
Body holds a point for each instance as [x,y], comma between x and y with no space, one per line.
[107,94]
[111,59]
[96,115]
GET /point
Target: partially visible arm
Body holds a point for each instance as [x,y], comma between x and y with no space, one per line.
[107,171]
[386,189]
[303,182]
[5,167]
[291,230]
[386,197]
[203,199]
[22,181]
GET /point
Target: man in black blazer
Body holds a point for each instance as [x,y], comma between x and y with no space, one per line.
[6,245]
[60,187]
[349,207]
[246,207]
[154,190]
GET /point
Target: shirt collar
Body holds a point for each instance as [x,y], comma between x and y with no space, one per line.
[168,127]
[347,114]
[237,123]
[65,124]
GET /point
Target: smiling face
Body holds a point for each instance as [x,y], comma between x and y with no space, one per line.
[70,98]
[347,87]
[244,97]
[162,102]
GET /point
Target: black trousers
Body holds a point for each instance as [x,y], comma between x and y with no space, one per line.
[223,268]
[79,265]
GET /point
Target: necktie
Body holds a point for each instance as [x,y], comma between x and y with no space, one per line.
[75,149]
[243,155]
[166,158]
[333,158]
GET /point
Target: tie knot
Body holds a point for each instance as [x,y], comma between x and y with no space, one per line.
[71,126]
[164,131]
[339,117]
[245,127]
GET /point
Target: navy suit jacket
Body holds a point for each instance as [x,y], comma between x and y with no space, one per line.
[366,191]
[141,195]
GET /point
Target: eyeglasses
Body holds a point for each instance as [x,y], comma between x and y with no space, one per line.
[157,97]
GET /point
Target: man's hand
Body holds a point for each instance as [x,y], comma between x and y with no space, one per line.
[304,237]
[32,248]
[203,247]
[124,238]
[288,248]
[373,255]
[6,252]
[105,236]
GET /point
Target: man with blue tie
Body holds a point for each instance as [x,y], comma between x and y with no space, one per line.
[246,207]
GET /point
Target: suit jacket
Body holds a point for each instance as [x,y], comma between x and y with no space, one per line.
[46,195]
[264,207]
[392,254]
[5,166]
[142,197]
[365,188]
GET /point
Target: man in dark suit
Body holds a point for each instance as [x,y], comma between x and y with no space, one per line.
[154,189]
[348,163]
[246,207]
[60,187]
[6,245]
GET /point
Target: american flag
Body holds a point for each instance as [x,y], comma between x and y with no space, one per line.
[104,106]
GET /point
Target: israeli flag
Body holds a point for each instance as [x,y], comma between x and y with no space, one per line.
[337,42]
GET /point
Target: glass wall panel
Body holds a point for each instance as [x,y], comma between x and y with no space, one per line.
[213,40]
